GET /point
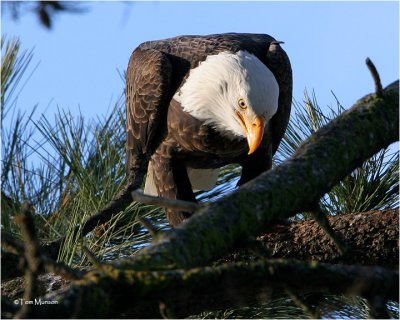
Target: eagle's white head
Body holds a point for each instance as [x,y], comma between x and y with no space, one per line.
[233,92]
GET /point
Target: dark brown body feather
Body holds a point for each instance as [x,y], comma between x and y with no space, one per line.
[158,128]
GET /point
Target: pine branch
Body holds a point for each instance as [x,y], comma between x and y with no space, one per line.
[30,249]
[373,237]
[320,217]
[138,294]
[375,77]
[164,202]
[320,163]
[31,254]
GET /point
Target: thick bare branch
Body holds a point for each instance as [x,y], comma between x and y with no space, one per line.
[137,294]
[320,163]
[373,237]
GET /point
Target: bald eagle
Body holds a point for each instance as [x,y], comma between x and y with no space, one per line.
[197,103]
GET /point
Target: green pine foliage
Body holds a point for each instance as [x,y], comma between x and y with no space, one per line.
[69,167]
[14,151]
[283,307]
[373,186]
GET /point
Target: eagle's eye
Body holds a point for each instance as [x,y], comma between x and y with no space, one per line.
[242,104]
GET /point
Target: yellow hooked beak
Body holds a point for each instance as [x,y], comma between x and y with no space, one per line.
[254,129]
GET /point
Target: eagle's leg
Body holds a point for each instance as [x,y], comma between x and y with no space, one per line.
[172,181]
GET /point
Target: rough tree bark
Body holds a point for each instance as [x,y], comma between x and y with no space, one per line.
[373,236]
[296,185]
[109,293]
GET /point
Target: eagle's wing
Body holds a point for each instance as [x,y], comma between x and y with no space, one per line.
[278,61]
[147,99]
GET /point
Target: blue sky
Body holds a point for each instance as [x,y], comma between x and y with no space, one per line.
[327,43]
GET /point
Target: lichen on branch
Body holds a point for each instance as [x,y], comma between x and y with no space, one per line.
[295,186]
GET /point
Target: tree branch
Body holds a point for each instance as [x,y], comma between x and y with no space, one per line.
[320,217]
[375,76]
[13,250]
[321,162]
[164,202]
[372,238]
[137,294]
[31,254]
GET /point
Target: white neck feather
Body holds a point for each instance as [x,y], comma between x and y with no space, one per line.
[212,90]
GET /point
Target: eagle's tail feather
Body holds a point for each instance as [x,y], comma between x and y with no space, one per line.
[122,200]
[119,203]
